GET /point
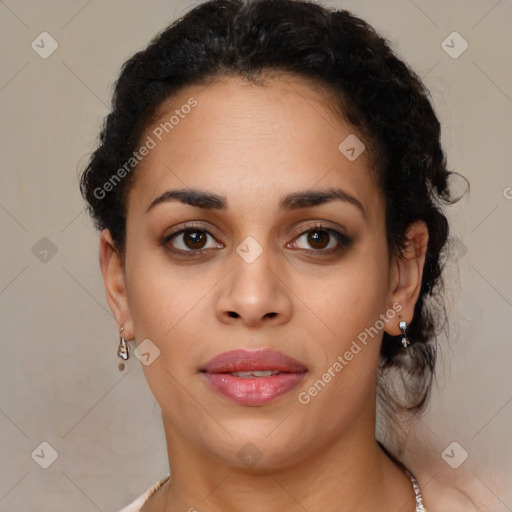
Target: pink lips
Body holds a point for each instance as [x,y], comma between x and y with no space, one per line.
[223,374]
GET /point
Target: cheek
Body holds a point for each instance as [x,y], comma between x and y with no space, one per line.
[347,357]
[350,304]
[164,310]
[350,300]
[167,307]
[159,298]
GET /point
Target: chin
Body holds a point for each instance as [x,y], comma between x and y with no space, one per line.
[261,447]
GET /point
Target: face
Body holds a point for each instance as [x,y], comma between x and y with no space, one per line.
[254,259]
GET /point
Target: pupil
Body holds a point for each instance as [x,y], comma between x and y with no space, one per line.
[317,238]
[196,237]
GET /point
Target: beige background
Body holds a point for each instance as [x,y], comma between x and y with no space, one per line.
[58,369]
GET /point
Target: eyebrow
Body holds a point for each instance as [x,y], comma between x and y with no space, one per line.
[294,201]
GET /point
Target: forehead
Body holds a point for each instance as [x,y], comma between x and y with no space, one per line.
[251,143]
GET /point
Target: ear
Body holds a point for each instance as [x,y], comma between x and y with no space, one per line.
[407,273]
[115,284]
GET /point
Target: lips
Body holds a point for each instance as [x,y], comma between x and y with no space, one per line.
[253,360]
[253,377]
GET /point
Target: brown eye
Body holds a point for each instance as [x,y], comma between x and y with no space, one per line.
[318,239]
[322,240]
[190,240]
[194,239]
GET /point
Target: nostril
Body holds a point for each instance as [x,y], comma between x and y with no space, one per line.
[271,315]
[232,314]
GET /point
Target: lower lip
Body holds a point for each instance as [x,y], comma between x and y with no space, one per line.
[253,390]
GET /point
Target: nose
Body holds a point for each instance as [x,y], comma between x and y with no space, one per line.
[254,294]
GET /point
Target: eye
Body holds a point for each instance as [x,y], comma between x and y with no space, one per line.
[322,239]
[191,239]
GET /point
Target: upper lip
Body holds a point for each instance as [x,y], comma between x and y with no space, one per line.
[255,359]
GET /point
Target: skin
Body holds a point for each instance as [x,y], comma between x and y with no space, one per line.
[252,145]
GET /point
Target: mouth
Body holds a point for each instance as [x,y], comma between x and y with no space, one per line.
[253,377]
[255,373]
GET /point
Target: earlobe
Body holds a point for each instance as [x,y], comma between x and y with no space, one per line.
[114,281]
[408,273]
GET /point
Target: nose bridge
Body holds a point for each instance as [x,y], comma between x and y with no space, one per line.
[254,292]
[252,272]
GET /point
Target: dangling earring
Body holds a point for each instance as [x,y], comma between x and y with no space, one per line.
[123,351]
[405,340]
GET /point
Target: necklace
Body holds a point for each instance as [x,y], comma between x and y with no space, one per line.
[417,493]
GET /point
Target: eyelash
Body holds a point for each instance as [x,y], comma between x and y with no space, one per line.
[343,240]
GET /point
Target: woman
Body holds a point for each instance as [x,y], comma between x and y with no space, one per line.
[268,188]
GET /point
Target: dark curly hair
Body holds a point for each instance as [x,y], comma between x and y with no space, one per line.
[369,85]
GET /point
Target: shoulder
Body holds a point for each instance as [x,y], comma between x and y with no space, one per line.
[136,505]
[443,488]
[439,497]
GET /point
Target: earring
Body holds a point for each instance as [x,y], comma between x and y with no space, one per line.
[405,339]
[123,351]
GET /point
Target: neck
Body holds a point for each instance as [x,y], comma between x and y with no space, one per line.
[351,473]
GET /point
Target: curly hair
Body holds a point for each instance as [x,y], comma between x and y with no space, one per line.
[374,90]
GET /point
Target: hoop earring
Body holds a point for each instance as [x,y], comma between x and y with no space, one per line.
[123,351]
[405,340]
